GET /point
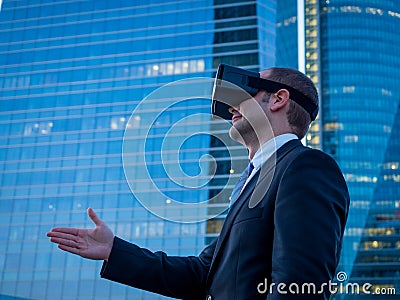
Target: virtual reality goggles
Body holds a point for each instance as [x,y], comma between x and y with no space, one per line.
[233,85]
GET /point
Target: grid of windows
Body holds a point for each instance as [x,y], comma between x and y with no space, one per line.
[73,71]
[71,74]
[312,67]
[286,34]
[351,55]
[360,115]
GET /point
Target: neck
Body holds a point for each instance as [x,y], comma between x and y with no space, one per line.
[254,147]
[252,151]
[255,144]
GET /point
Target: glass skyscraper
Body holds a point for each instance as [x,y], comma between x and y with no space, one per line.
[72,73]
[352,55]
[359,60]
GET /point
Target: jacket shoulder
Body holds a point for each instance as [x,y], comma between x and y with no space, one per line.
[299,151]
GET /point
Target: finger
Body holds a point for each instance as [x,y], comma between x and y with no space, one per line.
[93,216]
[66,243]
[62,235]
[70,249]
[73,231]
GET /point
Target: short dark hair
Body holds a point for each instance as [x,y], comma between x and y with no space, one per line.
[299,120]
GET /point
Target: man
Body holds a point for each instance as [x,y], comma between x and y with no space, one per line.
[286,245]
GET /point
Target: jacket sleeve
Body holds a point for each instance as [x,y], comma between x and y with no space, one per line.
[172,276]
[310,215]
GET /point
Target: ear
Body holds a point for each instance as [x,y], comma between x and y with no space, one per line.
[279,100]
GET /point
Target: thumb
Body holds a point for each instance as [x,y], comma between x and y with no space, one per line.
[93,216]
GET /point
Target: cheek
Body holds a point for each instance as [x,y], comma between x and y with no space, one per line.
[236,135]
[260,123]
[255,114]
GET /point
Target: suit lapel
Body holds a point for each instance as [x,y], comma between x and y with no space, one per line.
[234,210]
[267,170]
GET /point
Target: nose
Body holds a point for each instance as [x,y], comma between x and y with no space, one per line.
[232,109]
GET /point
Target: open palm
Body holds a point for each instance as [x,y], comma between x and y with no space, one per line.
[89,243]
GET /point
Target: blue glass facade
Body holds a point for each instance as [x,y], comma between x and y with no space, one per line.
[71,75]
[73,72]
[359,43]
[286,41]
[351,54]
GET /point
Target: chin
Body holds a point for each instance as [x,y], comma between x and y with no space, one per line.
[235,135]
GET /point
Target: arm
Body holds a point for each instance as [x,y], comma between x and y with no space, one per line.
[172,276]
[180,277]
[310,215]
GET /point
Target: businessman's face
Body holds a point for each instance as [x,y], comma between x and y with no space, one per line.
[249,119]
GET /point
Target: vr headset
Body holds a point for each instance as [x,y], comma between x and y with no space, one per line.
[234,85]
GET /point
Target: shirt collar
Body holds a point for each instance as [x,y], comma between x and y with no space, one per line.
[268,148]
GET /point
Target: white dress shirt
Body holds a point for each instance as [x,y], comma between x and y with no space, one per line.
[267,150]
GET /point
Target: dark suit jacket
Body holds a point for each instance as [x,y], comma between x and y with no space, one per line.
[292,236]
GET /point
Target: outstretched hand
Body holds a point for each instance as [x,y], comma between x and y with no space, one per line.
[89,243]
